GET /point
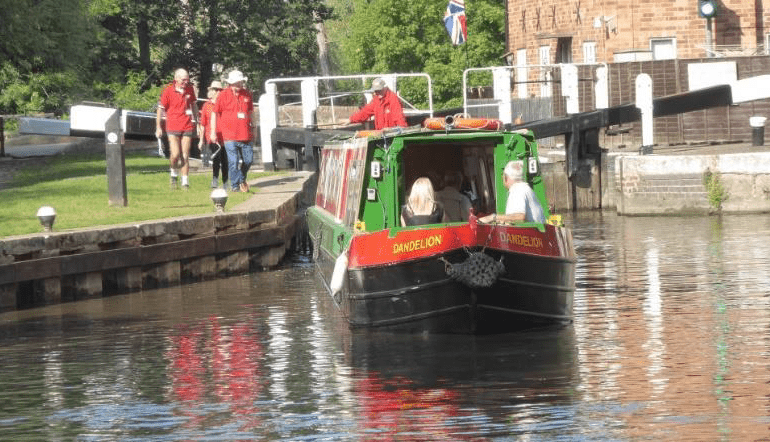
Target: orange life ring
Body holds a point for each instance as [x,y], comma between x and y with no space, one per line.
[438,123]
[368,133]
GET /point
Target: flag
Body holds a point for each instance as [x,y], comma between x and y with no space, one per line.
[454,22]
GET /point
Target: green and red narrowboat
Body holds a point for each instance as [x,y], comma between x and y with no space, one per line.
[460,276]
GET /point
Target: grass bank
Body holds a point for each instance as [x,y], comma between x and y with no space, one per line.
[76,187]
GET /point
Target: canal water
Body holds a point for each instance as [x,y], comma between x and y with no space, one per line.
[670,341]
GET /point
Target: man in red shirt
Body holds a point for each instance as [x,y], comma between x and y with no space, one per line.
[214,145]
[385,106]
[233,115]
[177,100]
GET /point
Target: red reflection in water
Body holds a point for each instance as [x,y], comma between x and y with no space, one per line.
[397,410]
[186,366]
[215,361]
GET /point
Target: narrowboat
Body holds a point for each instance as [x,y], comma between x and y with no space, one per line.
[459,275]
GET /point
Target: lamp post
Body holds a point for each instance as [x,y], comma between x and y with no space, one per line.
[708,9]
[46,215]
[219,198]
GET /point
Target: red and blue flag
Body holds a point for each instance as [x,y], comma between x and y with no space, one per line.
[454,22]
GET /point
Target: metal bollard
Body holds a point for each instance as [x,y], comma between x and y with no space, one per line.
[757,130]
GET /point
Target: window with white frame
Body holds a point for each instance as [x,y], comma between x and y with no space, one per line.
[589,52]
[663,48]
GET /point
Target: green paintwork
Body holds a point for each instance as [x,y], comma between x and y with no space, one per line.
[384,211]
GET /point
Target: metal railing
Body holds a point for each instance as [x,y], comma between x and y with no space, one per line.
[365,79]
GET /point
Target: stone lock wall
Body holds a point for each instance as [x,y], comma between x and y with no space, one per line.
[652,184]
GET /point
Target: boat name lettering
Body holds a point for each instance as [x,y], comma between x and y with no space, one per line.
[521,240]
[417,244]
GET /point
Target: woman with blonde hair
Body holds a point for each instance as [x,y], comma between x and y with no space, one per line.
[421,207]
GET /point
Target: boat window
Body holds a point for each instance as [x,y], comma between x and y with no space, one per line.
[341,180]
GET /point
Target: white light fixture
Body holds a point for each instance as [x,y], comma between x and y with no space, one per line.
[219,198]
[46,215]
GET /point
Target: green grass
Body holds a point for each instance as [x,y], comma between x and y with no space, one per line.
[76,187]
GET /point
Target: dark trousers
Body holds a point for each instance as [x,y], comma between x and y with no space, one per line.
[218,161]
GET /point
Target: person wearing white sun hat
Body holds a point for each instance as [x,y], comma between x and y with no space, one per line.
[233,116]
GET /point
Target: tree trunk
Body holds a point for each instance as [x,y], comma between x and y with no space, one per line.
[323,50]
[143,36]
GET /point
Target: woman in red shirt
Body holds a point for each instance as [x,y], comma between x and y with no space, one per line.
[216,145]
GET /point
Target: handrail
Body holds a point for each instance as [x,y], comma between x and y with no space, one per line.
[364,78]
[512,67]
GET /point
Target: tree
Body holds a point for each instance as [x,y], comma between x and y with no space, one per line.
[121,51]
[263,39]
[408,36]
[42,46]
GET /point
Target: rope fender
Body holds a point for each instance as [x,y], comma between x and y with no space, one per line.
[479,270]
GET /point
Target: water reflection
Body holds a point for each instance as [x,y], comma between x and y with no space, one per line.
[680,328]
[669,341]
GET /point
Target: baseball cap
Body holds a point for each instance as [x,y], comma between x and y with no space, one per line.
[378,84]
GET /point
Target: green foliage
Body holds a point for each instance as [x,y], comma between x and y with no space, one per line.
[36,92]
[407,36]
[59,52]
[38,35]
[715,191]
[132,94]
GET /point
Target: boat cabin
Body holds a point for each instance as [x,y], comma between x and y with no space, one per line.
[365,181]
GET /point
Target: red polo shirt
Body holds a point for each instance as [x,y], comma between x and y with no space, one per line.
[205,121]
[234,114]
[177,104]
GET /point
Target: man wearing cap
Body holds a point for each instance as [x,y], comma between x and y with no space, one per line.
[233,115]
[177,100]
[214,145]
[385,106]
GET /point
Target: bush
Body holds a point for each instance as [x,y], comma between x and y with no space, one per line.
[134,94]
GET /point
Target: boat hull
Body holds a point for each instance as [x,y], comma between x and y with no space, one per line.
[418,295]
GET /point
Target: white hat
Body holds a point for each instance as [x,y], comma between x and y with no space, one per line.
[216,85]
[235,76]
[378,84]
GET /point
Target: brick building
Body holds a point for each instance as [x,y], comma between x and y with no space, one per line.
[589,31]
[666,39]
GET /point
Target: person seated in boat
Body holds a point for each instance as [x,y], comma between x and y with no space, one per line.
[522,203]
[456,204]
[421,207]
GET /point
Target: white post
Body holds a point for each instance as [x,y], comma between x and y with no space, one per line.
[309,90]
[268,120]
[501,80]
[644,103]
[601,88]
[569,87]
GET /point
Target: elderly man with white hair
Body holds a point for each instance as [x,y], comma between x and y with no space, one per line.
[522,203]
[178,102]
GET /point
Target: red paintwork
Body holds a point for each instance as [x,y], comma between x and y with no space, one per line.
[378,248]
